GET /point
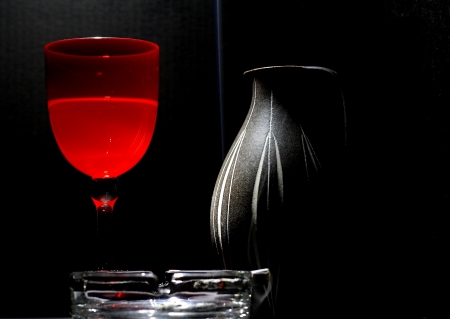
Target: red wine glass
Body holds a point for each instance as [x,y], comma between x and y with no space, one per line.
[102,96]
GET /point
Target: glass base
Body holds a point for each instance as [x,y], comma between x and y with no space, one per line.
[183,293]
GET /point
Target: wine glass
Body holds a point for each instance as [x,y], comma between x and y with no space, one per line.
[102,95]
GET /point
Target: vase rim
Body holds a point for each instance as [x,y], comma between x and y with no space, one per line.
[290,66]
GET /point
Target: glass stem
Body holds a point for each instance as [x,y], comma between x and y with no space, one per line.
[104,195]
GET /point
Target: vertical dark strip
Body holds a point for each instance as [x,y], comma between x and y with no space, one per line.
[218,10]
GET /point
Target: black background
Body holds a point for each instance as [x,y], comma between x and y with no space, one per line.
[393,61]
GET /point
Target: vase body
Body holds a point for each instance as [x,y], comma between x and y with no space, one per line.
[279,178]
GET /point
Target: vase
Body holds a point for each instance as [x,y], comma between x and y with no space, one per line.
[277,194]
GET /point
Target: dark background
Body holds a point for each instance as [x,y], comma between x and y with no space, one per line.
[393,61]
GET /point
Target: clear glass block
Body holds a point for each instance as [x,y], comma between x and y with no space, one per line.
[223,294]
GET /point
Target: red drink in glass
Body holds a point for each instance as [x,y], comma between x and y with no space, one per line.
[103,137]
[102,99]
[102,96]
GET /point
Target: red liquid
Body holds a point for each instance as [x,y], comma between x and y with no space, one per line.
[103,137]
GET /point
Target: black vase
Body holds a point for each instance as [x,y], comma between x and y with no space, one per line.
[276,199]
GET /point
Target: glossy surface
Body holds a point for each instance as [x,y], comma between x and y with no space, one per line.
[182,294]
[98,67]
